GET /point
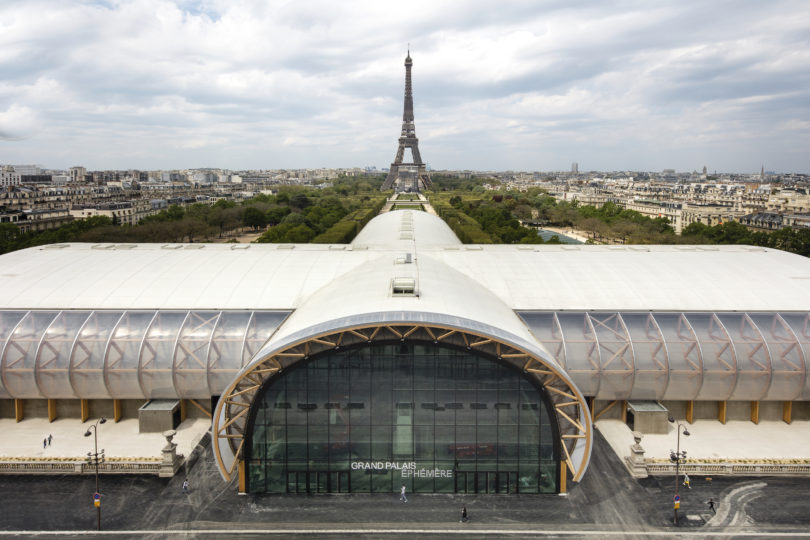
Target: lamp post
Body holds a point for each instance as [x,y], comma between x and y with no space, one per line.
[94,458]
[676,457]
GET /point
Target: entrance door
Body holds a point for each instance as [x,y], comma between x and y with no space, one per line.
[339,482]
[506,482]
[486,482]
[464,482]
[297,482]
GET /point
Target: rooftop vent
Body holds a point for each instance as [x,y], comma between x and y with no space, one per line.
[404,259]
[403,286]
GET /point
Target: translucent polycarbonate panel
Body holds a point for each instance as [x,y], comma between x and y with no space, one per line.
[191,354]
[800,324]
[157,354]
[753,360]
[546,329]
[261,327]
[683,353]
[616,354]
[123,353]
[53,358]
[581,351]
[650,353]
[225,354]
[8,321]
[717,353]
[87,357]
[787,361]
[20,354]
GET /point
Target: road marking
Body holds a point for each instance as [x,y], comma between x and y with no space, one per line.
[700,533]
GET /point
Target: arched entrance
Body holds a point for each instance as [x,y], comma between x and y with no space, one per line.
[370,418]
[239,403]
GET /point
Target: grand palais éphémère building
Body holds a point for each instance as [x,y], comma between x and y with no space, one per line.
[405,357]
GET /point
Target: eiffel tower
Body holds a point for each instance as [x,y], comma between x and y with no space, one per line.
[407,175]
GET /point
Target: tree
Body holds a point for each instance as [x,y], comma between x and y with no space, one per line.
[300,234]
[193,228]
[622,229]
[276,214]
[9,236]
[595,226]
[175,213]
[253,217]
[300,201]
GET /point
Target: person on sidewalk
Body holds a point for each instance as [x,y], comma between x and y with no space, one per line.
[50,438]
[402,496]
[44,443]
[464,518]
[686,480]
[711,506]
[185,486]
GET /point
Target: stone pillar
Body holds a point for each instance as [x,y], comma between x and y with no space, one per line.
[635,461]
[171,461]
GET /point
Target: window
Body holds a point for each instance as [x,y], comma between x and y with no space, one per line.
[376,417]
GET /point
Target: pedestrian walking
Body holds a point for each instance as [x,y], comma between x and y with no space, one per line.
[686,480]
[402,496]
[44,443]
[185,486]
[50,438]
[711,506]
[463,515]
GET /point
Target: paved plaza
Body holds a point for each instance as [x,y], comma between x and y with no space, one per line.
[118,439]
[608,503]
[711,440]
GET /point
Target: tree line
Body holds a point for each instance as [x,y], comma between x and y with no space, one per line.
[294,214]
[495,218]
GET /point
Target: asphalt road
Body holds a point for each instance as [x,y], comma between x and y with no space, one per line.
[607,504]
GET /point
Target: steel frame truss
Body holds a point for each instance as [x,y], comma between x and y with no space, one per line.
[236,402]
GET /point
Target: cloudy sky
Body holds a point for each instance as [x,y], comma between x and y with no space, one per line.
[521,85]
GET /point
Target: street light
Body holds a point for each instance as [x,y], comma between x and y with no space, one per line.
[676,457]
[94,458]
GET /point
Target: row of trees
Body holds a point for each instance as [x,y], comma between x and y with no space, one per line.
[294,214]
[494,219]
[611,222]
[786,239]
[480,220]
[11,239]
[498,221]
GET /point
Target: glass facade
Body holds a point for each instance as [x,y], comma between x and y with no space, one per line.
[371,419]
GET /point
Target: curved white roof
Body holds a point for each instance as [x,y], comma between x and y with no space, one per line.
[400,229]
[272,276]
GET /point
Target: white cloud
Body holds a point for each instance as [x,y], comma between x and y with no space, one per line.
[518,85]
